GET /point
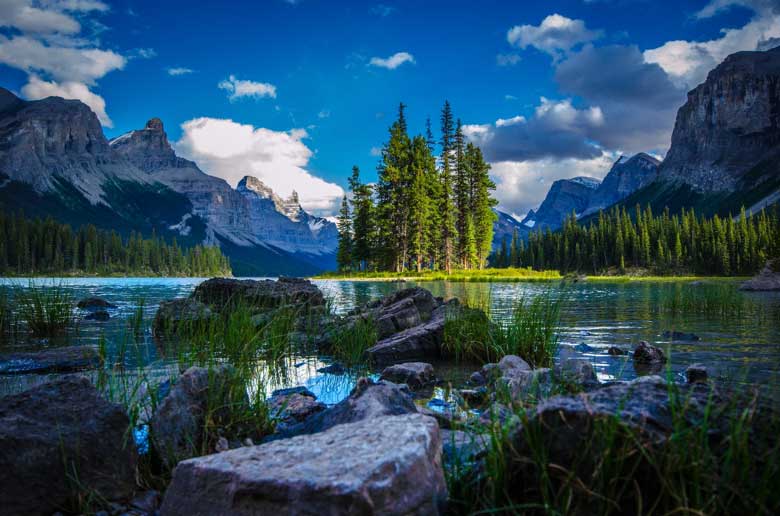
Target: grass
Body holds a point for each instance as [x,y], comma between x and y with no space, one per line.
[351,341]
[482,275]
[722,458]
[47,310]
[531,332]
[717,298]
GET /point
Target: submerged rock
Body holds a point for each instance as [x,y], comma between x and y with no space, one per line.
[289,409]
[368,400]
[54,360]
[616,351]
[646,353]
[696,373]
[56,430]
[414,374]
[766,280]
[577,371]
[98,315]
[389,465]
[94,303]
[678,335]
[178,425]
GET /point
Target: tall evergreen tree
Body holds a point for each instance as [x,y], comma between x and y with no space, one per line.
[446,207]
[344,253]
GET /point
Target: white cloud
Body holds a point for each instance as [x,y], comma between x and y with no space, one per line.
[521,186]
[231,150]
[392,62]
[376,151]
[238,88]
[688,62]
[142,53]
[37,88]
[507,59]
[179,70]
[503,122]
[556,35]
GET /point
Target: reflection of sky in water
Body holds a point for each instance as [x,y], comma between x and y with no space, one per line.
[598,315]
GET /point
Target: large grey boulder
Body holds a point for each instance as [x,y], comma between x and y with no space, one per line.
[385,466]
[414,374]
[60,441]
[177,427]
[219,293]
[368,400]
[52,360]
[415,343]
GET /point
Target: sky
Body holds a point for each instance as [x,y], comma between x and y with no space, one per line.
[296,92]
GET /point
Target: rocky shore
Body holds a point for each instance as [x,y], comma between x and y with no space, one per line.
[64,448]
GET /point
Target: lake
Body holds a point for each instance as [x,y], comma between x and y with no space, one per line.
[738,343]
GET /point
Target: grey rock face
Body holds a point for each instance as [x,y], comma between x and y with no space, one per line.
[564,197]
[766,280]
[367,400]
[177,427]
[625,177]
[729,124]
[418,342]
[52,360]
[51,431]
[413,374]
[383,466]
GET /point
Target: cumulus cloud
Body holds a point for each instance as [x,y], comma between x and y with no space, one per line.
[231,150]
[392,62]
[688,62]
[521,186]
[45,43]
[556,35]
[238,88]
[37,88]
[179,70]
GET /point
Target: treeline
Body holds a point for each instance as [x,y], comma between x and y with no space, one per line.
[664,243]
[37,247]
[425,211]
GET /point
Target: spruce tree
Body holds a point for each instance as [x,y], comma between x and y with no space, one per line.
[344,254]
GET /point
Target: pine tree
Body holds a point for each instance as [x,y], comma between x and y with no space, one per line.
[362,221]
[344,254]
[446,207]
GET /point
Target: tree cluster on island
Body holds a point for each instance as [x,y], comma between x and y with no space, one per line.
[33,247]
[666,243]
[425,212]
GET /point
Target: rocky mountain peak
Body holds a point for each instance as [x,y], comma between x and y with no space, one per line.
[625,177]
[155,124]
[729,125]
[565,196]
[149,148]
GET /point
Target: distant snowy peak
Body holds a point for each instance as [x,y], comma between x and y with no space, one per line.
[590,182]
[625,177]
[290,207]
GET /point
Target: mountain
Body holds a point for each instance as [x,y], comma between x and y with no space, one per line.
[725,150]
[504,228]
[55,160]
[625,177]
[564,197]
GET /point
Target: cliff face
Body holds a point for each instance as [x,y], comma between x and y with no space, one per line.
[50,140]
[625,177]
[564,197]
[729,125]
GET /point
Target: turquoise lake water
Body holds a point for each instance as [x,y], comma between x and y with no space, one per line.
[743,347]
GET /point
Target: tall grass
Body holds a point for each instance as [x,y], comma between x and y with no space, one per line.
[351,341]
[47,310]
[531,331]
[711,299]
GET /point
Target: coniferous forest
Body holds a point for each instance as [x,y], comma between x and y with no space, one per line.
[33,247]
[666,244]
[426,211]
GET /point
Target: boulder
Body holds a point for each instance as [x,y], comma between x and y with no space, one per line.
[293,408]
[177,313]
[418,342]
[648,354]
[578,371]
[178,425]
[60,441]
[523,385]
[263,295]
[383,466]
[401,310]
[512,365]
[696,373]
[368,400]
[98,315]
[616,351]
[413,374]
[766,280]
[461,448]
[53,360]
[681,336]
[94,303]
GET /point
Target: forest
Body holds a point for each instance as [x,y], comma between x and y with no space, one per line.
[666,244]
[33,247]
[425,212]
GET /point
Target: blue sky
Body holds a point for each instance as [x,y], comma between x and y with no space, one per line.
[298,92]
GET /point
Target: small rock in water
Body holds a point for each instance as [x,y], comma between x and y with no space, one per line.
[616,351]
[696,373]
[293,390]
[577,370]
[52,360]
[678,335]
[98,315]
[413,374]
[222,445]
[584,348]
[94,303]
[334,368]
[646,353]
